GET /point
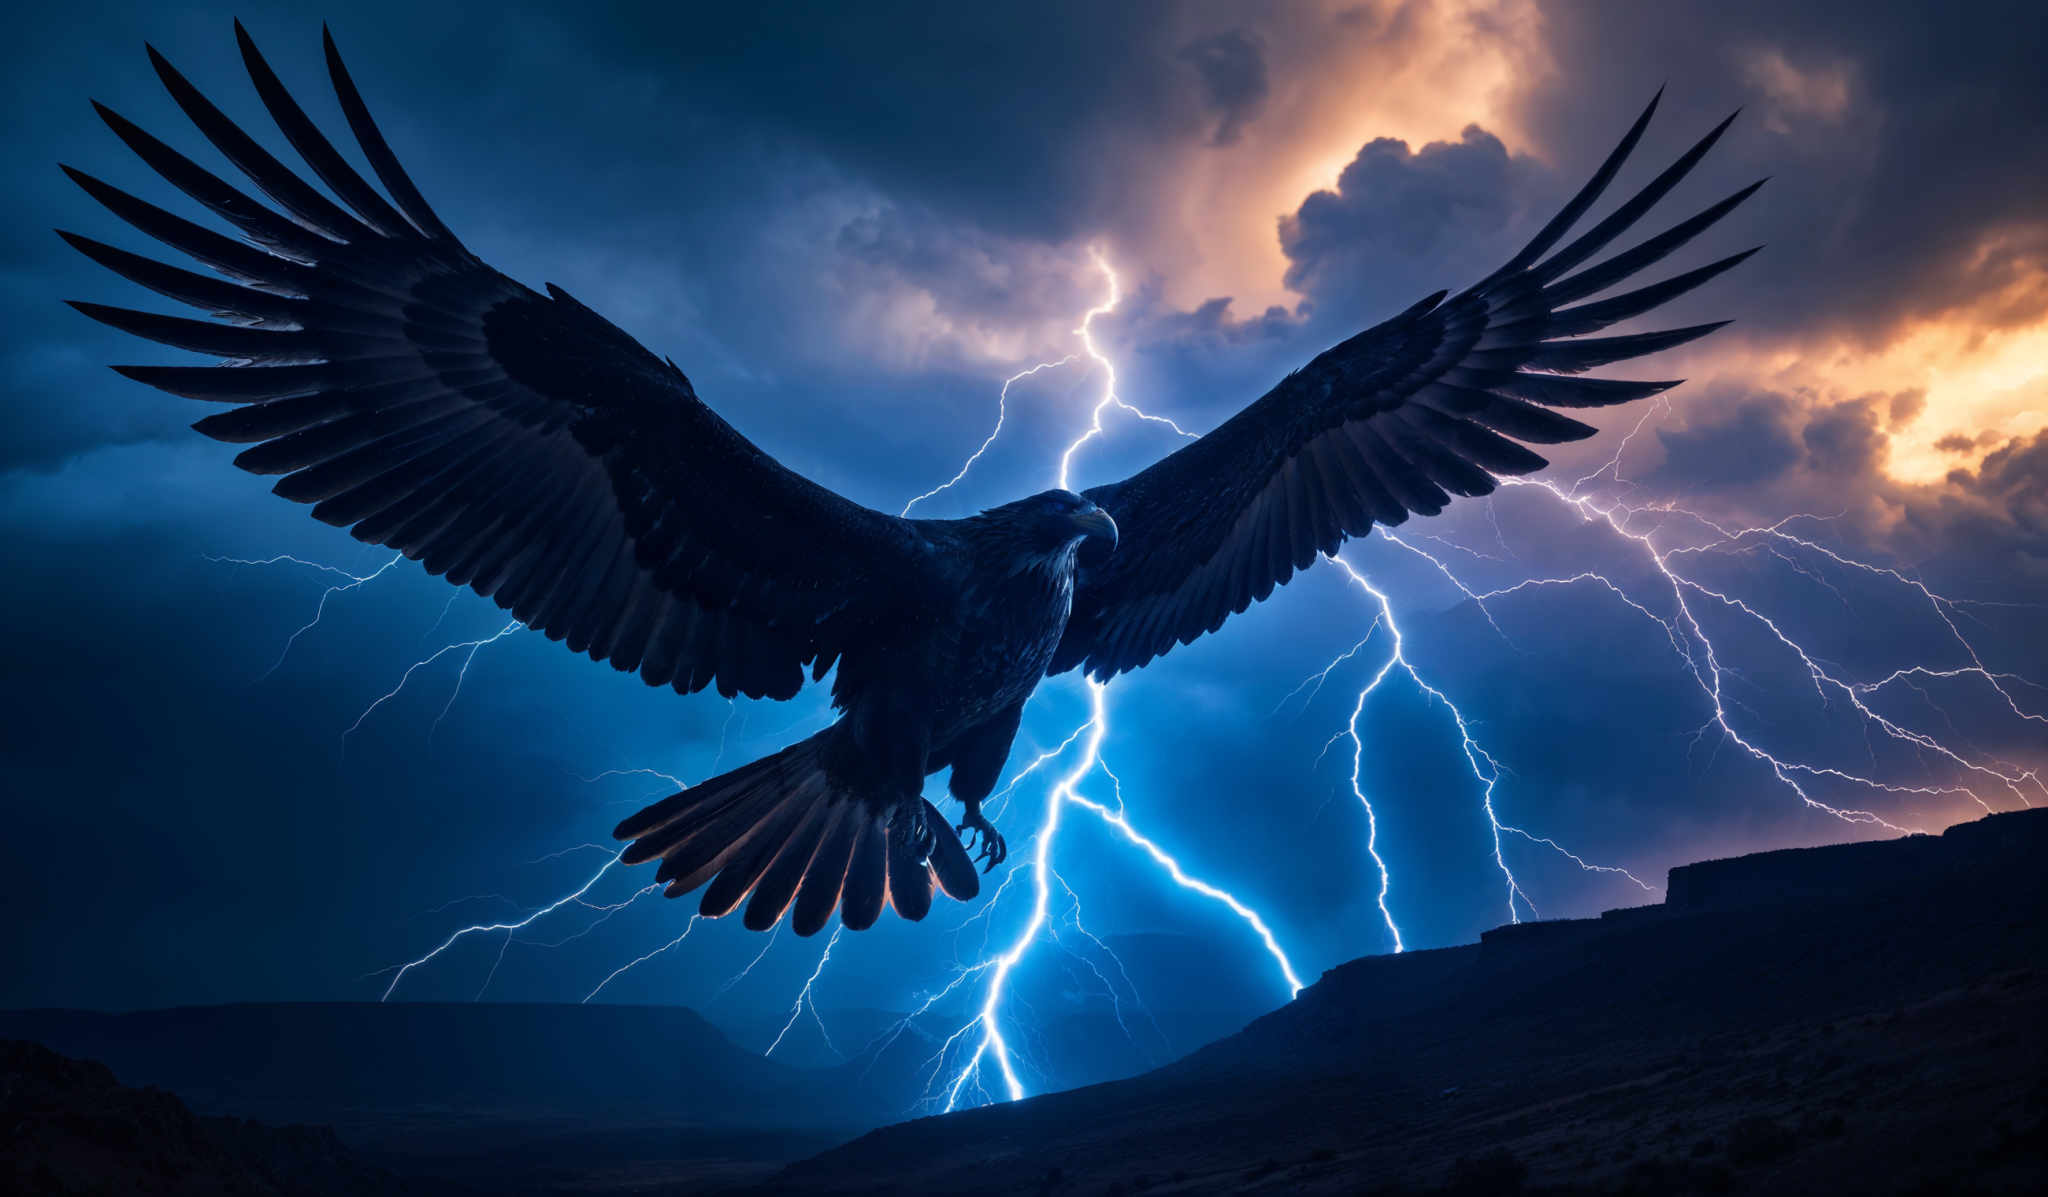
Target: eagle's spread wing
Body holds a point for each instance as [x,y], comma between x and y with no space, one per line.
[513,442]
[1395,420]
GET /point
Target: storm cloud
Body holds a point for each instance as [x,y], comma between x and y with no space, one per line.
[849,224]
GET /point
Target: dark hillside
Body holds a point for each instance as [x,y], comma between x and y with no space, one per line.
[1860,1018]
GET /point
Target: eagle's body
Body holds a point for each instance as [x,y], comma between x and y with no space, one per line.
[519,444]
[1015,600]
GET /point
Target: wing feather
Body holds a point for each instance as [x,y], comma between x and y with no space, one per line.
[511,440]
[1439,401]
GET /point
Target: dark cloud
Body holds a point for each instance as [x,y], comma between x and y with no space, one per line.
[1232,67]
[1753,442]
[882,89]
[1987,528]
[1906,174]
[1401,219]
[1752,456]
[1847,438]
[1906,405]
[44,423]
[849,226]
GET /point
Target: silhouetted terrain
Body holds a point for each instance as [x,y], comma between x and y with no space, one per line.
[1087,1037]
[1862,1018]
[322,1059]
[505,1097]
[573,1098]
[67,1127]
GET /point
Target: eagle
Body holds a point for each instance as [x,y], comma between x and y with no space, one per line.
[517,443]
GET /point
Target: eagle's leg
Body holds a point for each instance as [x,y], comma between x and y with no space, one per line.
[977,758]
[993,849]
[912,828]
[886,746]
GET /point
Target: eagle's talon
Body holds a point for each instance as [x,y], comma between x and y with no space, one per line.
[992,850]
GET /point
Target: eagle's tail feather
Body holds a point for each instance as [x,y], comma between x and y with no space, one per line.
[785,830]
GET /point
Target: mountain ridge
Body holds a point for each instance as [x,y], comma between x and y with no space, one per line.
[1716,1010]
[1782,1021]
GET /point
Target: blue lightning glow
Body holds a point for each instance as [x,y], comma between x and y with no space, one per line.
[605,911]
[992,1042]
[759,956]
[1117,820]
[992,1045]
[803,1000]
[637,961]
[320,608]
[977,1060]
[1484,768]
[472,645]
[1704,663]
[483,928]
[1002,414]
[1109,400]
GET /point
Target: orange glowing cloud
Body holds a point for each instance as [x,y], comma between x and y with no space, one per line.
[1422,72]
[1982,370]
[1344,74]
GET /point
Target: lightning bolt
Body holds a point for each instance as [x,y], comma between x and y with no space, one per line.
[977,1061]
[639,960]
[744,973]
[1704,662]
[1116,817]
[803,1000]
[351,582]
[469,656]
[1110,401]
[399,971]
[1002,414]
[674,783]
[991,1046]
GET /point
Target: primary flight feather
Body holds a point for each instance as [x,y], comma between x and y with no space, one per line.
[517,443]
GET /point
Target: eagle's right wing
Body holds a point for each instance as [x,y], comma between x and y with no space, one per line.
[514,442]
[1436,402]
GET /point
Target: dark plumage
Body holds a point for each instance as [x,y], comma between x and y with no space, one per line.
[517,443]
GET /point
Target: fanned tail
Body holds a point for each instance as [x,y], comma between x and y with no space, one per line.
[785,830]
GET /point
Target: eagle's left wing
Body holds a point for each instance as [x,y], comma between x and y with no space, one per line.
[1395,420]
[513,442]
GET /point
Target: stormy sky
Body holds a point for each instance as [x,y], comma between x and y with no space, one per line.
[849,225]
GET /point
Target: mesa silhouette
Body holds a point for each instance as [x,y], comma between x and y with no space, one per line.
[1856,1018]
[1860,1017]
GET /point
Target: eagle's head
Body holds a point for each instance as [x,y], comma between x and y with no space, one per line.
[1054,521]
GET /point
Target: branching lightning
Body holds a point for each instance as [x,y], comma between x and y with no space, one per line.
[1485,769]
[1705,665]
[473,646]
[320,609]
[978,1060]
[1002,414]
[399,972]
[1110,400]
[759,956]
[991,1046]
[641,959]
[804,1000]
